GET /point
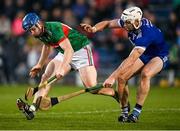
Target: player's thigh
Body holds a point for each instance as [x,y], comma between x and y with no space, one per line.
[153,67]
[136,67]
[88,75]
[57,67]
[122,80]
[48,71]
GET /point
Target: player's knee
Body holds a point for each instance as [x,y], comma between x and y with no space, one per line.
[145,74]
[90,84]
[122,79]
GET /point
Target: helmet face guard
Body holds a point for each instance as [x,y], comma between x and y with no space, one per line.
[30,20]
[131,14]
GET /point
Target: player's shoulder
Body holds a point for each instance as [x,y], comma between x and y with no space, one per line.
[52,23]
[146,23]
[146,26]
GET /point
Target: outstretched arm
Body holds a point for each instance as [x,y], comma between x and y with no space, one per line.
[44,55]
[100,26]
[127,63]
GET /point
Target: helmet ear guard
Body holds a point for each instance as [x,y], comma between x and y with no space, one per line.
[136,27]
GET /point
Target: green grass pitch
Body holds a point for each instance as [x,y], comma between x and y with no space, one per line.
[92,112]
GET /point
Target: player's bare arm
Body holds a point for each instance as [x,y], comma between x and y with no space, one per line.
[129,61]
[68,54]
[100,26]
[44,55]
[126,64]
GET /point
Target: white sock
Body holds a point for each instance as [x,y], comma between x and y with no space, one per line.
[32,108]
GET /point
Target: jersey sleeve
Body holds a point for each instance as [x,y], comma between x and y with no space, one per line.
[142,43]
[143,40]
[120,23]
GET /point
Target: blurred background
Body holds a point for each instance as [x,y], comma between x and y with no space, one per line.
[19,51]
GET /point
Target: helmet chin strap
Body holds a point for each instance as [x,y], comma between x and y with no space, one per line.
[136,27]
[40,27]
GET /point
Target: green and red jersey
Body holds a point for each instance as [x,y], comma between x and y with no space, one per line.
[56,32]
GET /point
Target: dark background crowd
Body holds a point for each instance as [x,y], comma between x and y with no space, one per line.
[19,51]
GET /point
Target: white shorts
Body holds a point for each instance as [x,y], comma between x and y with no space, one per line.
[80,59]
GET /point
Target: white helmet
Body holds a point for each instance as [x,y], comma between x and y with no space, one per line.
[132,14]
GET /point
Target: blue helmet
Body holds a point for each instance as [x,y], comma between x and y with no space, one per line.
[30,20]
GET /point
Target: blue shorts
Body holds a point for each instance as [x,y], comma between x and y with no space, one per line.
[145,59]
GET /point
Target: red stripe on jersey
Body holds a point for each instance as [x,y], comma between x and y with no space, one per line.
[55,45]
[87,55]
[66,29]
